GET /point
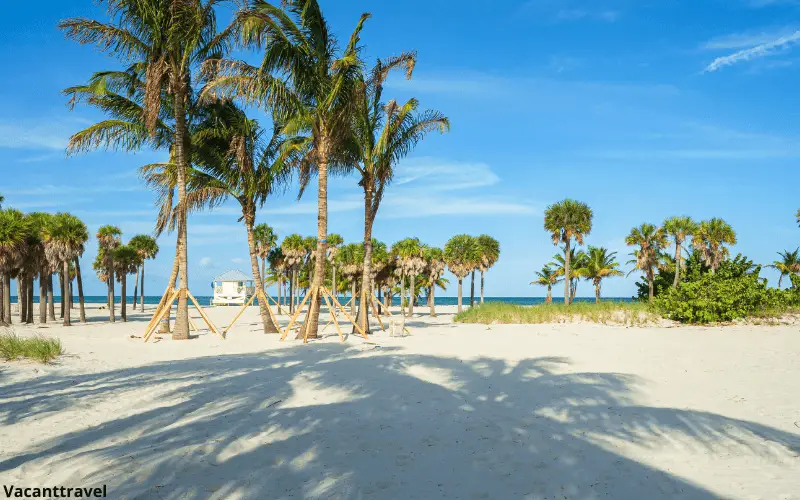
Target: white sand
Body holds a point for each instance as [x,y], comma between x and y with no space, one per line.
[455,411]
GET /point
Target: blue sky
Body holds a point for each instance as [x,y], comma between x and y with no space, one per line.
[642,109]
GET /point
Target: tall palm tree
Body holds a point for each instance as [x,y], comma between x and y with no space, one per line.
[335,242]
[679,228]
[434,258]
[650,240]
[548,277]
[108,238]
[266,240]
[490,252]
[310,84]
[14,228]
[710,238]
[39,221]
[410,254]
[383,134]
[565,221]
[789,264]
[462,256]
[126,259]
[293,253]
[147,249]
[167,40]
[64,242]
[600,264]
[77,234]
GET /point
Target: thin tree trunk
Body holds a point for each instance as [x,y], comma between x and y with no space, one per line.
[280,286]
[432,300]
[173,280]
[322,235]
[266,318]
[81,300]
[29,314]
[66,297]
[566,272]
[353,297]
[110,286]
[71,296]
[650,280]
[481,286]
[136,289]
[472,290]
[181,330]
[2,300]
[334,290]
[411,292]
[402,294]
[7,299]
[51,305]
[597,293]
[22,299]
[141,302]
[459,295]
[780,279]
[366,274]
[678,265]
[124,299]
[62,282]
[292,290]
[549,299]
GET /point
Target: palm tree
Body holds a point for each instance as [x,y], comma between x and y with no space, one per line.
[383,134]
[434,258]
[650,240]
[335,242]
[147,249]
[462,256]
[600,264]
[349,260]
[64,243]
[797,216]
[38,259]
[77,234]
[410,254]
[168,40]
[490,252]
[577,260]
[14,228]
[277,266]
[126,259]
[710,238]
[310,84]
[266,240]
[108,238]
[789,264]
[566,220]
[679,228]
[293,253]
[548,277]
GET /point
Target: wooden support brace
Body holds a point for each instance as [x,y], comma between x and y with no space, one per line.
[347,315]
[375,311]
[241,311]
[157,318]
[269,309]
[294,318]
[315,296]
[203,314]
[167,293]
[333,317]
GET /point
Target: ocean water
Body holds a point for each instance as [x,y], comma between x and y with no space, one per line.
[442,301]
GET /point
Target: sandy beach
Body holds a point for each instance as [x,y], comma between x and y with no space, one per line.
[455,411]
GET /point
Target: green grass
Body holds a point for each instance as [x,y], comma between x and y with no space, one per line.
[42,349]
[616,313]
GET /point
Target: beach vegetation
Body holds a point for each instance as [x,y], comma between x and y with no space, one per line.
[605,312]
[38,348]
[566,221]
[462,255]
[600,264]
[650,240]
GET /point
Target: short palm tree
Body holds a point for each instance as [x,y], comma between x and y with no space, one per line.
[490,252]
[108,238]
[14,227]
[266,240]
[350,260]
[789,264]
[577,260]
[600,264]
[277,266]
[410,255]
[147,249]
[293,252]
[565,221]
[434,258]
[710,238]
[548,277]
[679,229]
[64,238]
[650,240]
[462,256]
[126,260]
[309,84]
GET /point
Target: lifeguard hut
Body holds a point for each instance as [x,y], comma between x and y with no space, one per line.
[232,288]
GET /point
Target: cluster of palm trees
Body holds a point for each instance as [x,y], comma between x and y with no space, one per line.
[35,246]
[178,91]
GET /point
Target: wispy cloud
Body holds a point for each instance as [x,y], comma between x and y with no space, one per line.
[54,189]
[569,10]
[41,134]
[444,175]
[762,48]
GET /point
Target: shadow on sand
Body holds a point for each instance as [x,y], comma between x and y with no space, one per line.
[372,423]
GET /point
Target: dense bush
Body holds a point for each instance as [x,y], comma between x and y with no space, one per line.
[735,291]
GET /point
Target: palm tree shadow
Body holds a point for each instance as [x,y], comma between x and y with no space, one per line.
[351,422]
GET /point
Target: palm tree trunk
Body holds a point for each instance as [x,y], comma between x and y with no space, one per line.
[65,299]
[334,290]
[780,279]
[292,289]
[459,295]
[7,299]
[402,294]
[597,293]
[22,299]
[411,295]
[263,269]
[387,300]
[280,286]
[136,289]
[266,318]
[366,274]
[173,280]
[29,314]
[650,279]
[181,329]
[481,287]
[353,297]
[124,299]
[472,290]
[51,305]
[141,302]
[566,272]
[678,265]
[549,299]
[62,282]
[322,235]
[81,300]
[432,300]
[110,286]
[2,300]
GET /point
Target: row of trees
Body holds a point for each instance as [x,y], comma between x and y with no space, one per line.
[177,92]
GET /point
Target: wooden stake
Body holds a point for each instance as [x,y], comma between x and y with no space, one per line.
[167,293]
[333,317]
[347,315]
[294,318]
[160,315]
[203,314]
[241,311]
[315,296]
[375,310]
[269,309]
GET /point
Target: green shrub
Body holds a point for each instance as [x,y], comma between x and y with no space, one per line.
[41,349]
[628,313]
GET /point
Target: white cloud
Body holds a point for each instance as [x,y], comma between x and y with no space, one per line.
[206,262]
[44,133]
[444,175]
[747,39]
[763,49]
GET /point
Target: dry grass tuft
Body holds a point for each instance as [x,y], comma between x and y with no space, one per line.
[41,349]
[612,313]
